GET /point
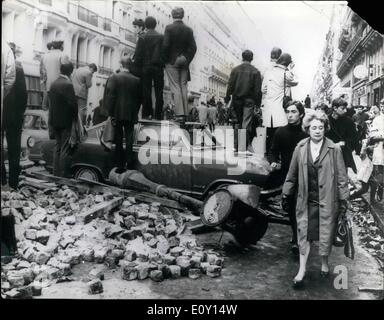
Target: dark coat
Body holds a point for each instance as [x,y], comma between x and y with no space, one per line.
[63,103]
[333,187]
[178,40]
[245,82]
[123,96]
[344,129]
[15,102]
[149,50]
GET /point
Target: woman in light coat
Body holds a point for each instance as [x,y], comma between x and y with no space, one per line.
[318,178]
[273,93]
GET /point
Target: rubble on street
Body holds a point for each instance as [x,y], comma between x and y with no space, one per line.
[139,240]
[370,235]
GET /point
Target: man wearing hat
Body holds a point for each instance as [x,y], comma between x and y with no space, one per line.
[179,48]
[51,62]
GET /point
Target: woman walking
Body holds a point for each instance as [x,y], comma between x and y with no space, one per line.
[318,178]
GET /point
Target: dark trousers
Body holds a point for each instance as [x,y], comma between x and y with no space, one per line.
[124,132]
[359,192]
[153,74]
[292,219]
[212,127]
[377,182]
[243,112]
[62,154]
[270,134]
[13,136]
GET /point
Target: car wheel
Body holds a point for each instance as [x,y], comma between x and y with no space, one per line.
[87,173]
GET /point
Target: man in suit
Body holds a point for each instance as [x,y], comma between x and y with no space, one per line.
[245,88]
[50,66]
[122,98]
[15,104]
[149,60]
[63,111]
[82,81]
[179,48]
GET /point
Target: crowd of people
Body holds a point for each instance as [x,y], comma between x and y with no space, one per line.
[311,146]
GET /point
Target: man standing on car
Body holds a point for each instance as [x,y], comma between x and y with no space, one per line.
[245,88]
[63,111]
[149,60]
[15,104]
[82,81]
[122,98]
[179,48]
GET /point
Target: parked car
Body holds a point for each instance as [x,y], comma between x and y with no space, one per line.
[93,162]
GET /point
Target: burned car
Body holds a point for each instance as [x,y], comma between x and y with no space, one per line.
[187,159]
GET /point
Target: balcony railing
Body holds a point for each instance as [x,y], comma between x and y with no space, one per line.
[345,39]
[107,24]
[351,49]
[46,2]
[128,35]
[87,16]
[104,70]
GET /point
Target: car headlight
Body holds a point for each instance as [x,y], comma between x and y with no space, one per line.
[30,142]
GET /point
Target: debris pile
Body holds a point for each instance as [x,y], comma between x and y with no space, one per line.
[57,228]
[370,235]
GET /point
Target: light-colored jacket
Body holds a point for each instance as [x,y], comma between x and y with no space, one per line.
[82,81]
[333,187]
[50,68]
[377,130]
[203,114]
[212,115]
[273,93]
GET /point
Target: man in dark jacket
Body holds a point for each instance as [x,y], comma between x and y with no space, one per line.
[149,60]
[122,98]
[15,104]
[245,88]
[179,48]
[283,144]
[63,110]
[307,101]
[343,132]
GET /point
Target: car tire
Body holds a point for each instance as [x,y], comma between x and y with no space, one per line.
[87,173]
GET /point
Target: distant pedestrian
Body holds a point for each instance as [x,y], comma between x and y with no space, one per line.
[63,111]
[276,86]
[82,81]
[148,58]
[343,132]
[43,79]
[245,88]
[193,114]
[179,48]
[212,117]
[203,113]
[221,114]
[360,119]
[274,56]
[122,99]
[317,175]
[51,62]
[15,104]
[307,101]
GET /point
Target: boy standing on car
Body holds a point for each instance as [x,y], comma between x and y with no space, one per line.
[122,98]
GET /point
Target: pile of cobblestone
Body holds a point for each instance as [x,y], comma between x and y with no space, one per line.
[141,240]
[370,235]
